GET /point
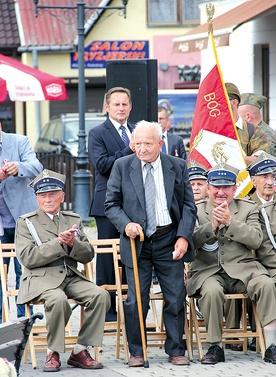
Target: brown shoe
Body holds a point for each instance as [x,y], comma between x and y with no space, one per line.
[83,360]
[179,360]
[52,363]
[136,361]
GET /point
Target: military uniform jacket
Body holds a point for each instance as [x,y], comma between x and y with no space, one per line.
[266,253]
[271,136]
[231,246]
[46,265]
[252,138]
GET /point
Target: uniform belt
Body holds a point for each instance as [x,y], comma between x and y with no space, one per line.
[165,228]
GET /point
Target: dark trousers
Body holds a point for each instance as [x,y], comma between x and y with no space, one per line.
[157,252]
[8,237]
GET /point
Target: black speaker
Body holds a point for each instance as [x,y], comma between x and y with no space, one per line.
[140,77]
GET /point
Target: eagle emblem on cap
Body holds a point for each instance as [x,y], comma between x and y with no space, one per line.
[45,173]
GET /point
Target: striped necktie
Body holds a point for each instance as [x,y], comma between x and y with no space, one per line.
[124,136]
[150,193]
[164,149]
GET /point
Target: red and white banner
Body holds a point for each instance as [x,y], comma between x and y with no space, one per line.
[214,138]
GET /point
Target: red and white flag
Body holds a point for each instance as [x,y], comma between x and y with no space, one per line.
[214,138]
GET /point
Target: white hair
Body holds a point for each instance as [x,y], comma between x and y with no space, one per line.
[144,125]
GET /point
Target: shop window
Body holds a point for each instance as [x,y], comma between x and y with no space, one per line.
[173,12]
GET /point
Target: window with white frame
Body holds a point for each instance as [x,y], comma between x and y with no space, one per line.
[173,12]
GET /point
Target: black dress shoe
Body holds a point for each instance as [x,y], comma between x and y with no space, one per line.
[234,347]
[252,345]
[214,355]
[270,354]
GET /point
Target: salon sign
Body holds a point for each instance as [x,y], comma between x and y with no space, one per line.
[98,52]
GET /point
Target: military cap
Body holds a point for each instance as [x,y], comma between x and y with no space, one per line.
[222,175]
[48,180]
[263,164]
[232,91]
[196,171]
[253,99]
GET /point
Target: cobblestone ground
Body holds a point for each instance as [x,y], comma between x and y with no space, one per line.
[236,364]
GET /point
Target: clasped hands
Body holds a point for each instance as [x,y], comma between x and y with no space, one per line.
[221,215]
[9,169]
[68,236]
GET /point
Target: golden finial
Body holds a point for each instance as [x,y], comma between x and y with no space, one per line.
[210,11]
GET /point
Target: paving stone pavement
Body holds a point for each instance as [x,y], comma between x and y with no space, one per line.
[236,364]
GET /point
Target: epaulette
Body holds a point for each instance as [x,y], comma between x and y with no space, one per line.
[201,201]
[30,214]
[268,204]
[245,200]
[72,214]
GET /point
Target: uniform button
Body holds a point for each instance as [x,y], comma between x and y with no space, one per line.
[222,235]
[208,235]
[222,262]
[222,243]
[222,253]
[61,271]
[58,255]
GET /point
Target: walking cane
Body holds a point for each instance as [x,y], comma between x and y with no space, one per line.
[138,297]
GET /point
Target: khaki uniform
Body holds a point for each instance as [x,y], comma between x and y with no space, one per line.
[252,138]
[266,253]
[51,275]
[230,267]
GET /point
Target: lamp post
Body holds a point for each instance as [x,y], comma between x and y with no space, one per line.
[82,176]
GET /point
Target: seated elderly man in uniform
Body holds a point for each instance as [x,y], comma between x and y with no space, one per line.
[262,172]
[227,232]
[49,244]
[198,180]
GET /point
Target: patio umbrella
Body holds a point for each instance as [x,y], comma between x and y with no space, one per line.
[24,83]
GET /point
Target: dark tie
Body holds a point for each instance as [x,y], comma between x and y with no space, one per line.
[56,220]
[164,149]
[150,194]
[124,136]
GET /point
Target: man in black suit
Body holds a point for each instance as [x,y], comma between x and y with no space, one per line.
[106,143]
[168,235]
[173,144]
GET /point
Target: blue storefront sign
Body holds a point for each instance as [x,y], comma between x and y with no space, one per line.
[98,52]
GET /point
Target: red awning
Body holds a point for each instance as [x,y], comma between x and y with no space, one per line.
[197,38]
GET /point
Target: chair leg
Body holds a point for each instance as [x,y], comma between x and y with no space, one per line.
[259,330]
[187,334]
[194,325]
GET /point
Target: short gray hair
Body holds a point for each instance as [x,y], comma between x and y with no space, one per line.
[143,124]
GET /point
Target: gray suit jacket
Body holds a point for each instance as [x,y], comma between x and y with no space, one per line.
[19,198]
[176,146]
[125,200]
[44,264]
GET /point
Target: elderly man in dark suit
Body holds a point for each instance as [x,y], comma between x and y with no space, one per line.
[151,191]
[106,143]
[49,244]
